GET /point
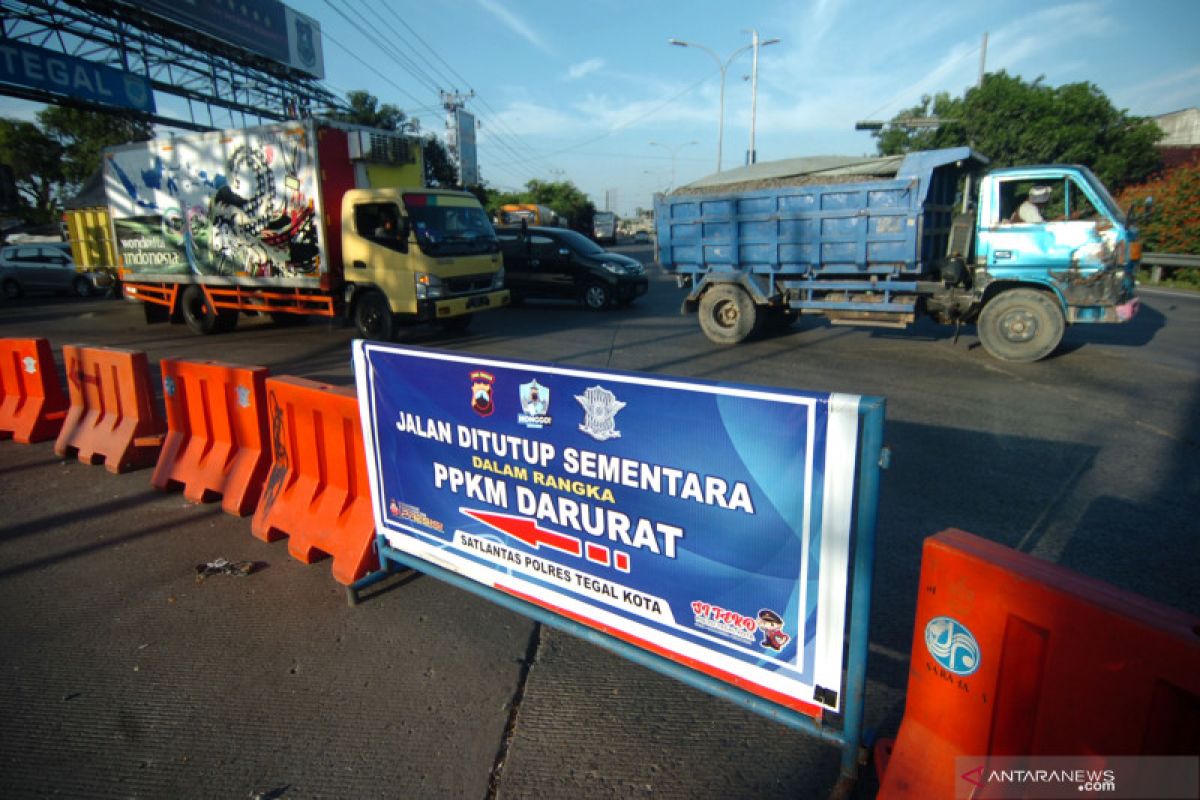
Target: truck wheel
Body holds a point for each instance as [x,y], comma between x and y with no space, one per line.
[596,296]
[373,317]
[1021,325]
[197,312]
[728,315]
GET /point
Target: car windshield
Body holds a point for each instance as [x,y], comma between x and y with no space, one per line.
[449,230]
[580,243]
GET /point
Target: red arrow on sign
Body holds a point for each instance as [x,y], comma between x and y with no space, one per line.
[527,530]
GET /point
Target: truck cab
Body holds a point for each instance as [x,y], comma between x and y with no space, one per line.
[1083,250]
[418,255]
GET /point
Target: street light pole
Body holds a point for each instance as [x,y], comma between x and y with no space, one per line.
[752,154]
[673,151]
[722,66]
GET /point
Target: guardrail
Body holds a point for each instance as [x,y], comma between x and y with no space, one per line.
[1160,262]
[1171,260]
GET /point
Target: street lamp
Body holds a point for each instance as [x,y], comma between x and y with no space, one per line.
[722,66]
[752,155]
[673,151]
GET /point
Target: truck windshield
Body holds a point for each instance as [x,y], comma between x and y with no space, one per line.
[448,229]
[1107,199]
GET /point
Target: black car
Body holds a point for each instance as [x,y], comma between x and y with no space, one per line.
[556,262]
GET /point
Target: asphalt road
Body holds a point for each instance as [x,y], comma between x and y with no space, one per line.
[123,677]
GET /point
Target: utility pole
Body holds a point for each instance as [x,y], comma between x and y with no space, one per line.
[752,154]
[982,61]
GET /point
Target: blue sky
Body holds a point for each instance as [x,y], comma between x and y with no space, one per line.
[578,91]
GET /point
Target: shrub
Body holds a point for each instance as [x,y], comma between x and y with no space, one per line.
[1174,224]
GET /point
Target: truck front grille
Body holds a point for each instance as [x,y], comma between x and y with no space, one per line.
[468,284]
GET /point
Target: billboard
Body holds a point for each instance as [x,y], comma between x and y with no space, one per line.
[707,523]
[263,27]
[464,141]
[51,71]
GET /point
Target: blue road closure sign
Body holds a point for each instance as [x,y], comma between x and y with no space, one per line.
[708,523]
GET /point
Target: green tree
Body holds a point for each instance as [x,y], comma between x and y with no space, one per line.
[1013,122]
[440,169]
[83,136]
[565,198]
[365,109]
[37,164]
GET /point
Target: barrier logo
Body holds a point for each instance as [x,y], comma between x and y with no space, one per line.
[30,365]
[535,403]
[600,407]
[952,645]
[481,393]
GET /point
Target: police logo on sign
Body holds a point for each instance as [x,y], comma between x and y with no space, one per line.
[600,407]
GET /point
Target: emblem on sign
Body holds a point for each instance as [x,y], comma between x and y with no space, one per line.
[535,403]
[600,407]
[481,393]
[952,645]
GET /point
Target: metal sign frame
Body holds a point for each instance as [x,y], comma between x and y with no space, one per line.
[870,458]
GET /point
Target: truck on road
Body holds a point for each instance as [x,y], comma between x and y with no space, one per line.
[299,218]
[881,241]
[604,227]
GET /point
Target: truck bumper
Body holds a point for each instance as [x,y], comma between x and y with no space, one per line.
[457,306]
[1127,311]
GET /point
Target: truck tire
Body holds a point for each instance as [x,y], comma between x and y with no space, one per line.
[200,316]
[728,315]
[1021,325]
[373,317]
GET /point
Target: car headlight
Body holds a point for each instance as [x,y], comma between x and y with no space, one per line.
[429,287]
[614,267]
[498,279]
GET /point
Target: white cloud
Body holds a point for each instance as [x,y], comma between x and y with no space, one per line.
[515,24]
[577,71]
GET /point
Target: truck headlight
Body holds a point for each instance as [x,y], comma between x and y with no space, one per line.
[429,287]
[498,279]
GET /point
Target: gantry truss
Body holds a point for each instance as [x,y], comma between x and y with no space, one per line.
[200,84]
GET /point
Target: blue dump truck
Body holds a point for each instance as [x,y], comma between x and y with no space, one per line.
[1020,252]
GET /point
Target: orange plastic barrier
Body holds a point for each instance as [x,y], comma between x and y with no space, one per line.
[317,491]
[1015,656]
[112,415]
[32,404]
[216,433]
